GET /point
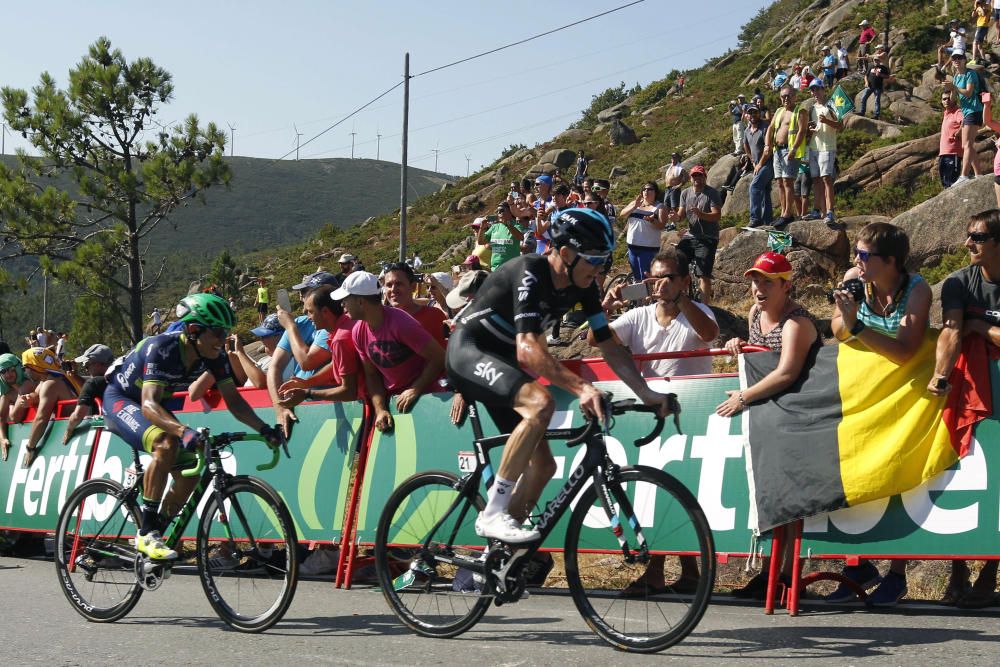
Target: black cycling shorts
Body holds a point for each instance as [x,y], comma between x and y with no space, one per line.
[489,378]
[701,251]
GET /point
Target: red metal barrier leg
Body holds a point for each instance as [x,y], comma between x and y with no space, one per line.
[348,541]
[777,544]
[793,594]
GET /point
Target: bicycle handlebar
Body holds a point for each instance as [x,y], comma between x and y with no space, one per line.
[629,405]
[211,442]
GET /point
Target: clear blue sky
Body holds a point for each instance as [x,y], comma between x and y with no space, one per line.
[265,67]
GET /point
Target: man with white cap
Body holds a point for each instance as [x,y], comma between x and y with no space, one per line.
[397,354]
[347,262]
[95,362]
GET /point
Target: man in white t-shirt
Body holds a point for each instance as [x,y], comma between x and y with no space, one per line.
[674,323]
[823,125]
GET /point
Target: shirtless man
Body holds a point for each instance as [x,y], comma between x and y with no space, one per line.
[785,137]
[676,177]
[51,386]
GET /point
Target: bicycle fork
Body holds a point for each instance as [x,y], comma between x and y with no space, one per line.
[604,478]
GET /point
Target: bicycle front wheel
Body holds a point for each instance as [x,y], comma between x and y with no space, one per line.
[420,524]
[247,556]
[94,558]
[615,597]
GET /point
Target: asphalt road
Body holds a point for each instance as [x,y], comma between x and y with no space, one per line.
[175,625]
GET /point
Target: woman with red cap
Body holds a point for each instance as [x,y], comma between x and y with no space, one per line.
[784,326]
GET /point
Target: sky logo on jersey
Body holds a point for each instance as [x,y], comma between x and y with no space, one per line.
[527,282]
[485,370]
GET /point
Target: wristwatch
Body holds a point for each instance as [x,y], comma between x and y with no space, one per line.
[858,327]
[309,394]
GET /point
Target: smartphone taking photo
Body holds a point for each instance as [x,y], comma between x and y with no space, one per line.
[283,300]
[636,292]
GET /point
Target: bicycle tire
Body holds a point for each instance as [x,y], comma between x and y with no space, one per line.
[426,601]
[92,551]
[598,575]
[251,579]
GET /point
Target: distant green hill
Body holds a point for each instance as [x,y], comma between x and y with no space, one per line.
[267,204]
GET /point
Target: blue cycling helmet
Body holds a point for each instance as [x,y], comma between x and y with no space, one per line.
[779,80]
[583,230]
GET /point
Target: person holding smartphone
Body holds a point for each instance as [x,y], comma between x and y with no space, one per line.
[646,217]
[502,234]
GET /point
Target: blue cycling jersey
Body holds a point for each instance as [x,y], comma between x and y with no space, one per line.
[164,360]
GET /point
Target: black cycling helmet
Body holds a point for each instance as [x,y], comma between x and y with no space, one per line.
[206,309]
[583,230]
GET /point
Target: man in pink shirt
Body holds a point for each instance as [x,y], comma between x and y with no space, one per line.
[950,151]
[398,355]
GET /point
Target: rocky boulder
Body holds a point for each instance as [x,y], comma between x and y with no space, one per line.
[617,171]
[468,203]
[937,226]
[621,134]
[723,169]
[872,126]
[897,164]
[572,136]
[834,17]
[912,112]
[616,112]
[517,156]
[823,254]
[738,201]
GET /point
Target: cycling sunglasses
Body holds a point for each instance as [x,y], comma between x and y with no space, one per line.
[980,237]
[594,260]
[864,255]
[219,332]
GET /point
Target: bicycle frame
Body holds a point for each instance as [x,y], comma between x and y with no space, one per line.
[596,466]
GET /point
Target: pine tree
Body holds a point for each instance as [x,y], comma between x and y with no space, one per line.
[121,178]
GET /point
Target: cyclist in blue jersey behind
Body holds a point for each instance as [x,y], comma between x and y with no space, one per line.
[141,381]
[504,329]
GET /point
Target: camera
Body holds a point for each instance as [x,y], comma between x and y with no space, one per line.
[854,287]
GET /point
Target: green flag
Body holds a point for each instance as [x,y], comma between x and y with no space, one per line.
[841,102]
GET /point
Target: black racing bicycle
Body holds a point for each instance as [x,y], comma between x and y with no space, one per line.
[245,549]
[621,518]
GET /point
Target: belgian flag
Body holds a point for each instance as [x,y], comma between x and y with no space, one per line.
[856,427]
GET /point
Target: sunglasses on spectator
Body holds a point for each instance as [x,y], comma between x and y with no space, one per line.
[594,260]
[980,237]
[589,202]
[865,255]
[649,190]
[668,276]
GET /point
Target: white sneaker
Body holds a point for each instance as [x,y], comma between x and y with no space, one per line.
[552,340]
[960,180]
[502,526]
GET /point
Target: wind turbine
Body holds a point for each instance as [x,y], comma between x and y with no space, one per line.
[297,135]
[232,139]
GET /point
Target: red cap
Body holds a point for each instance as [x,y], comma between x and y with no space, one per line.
[698,169]
[772,265]
[472,261]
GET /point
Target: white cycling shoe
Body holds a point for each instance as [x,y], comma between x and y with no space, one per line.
[502,526]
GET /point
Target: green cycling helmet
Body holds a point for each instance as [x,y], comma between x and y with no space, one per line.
[206,309]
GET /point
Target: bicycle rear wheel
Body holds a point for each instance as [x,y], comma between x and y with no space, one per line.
[642,619]
[431,597]
[94,558]
[247,556]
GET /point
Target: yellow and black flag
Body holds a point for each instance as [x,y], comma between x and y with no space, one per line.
[855,427]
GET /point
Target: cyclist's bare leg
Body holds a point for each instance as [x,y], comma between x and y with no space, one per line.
[540,470]
[164,453]
[178,493]
[535,405]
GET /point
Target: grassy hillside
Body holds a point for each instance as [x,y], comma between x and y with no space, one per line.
[693,121]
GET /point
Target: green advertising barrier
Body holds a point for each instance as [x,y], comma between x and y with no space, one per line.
[709,452]
[957,513]
[313,482]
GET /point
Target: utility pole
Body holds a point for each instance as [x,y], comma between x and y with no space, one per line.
[402,166]
[352,144]
[378,145]
[888,19]
[468,157]
[435,151]
[232,139]
[297,135]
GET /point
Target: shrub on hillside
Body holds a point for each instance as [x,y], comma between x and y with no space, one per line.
[599,103]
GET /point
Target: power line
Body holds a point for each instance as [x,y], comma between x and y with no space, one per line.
[356,111]
[528,39]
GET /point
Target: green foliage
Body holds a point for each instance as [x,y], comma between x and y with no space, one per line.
[949,264]
[98,321]
[123,181]
[225,275]
[510,150]
[599,103]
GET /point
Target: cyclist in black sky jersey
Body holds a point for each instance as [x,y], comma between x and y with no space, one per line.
[504,329]
[141,381]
